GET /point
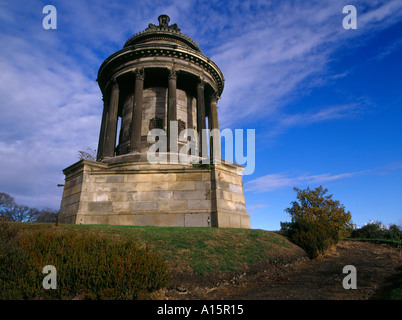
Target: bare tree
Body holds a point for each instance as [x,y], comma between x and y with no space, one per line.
[11,211]
[6,203]
[90,154]
[47,215]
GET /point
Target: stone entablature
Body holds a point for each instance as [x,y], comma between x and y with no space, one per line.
[142,56]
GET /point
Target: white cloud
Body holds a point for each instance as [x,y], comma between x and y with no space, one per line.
[278,181]
[266,64]
[49,111]
[393,47]
[251,209]
[283,122]
[380,12]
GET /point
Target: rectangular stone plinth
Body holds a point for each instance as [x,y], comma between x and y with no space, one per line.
[138,193]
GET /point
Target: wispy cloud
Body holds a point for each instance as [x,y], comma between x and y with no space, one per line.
[273,59]
[393,47]
[281,180]
[50,108]
[254,207]
[47,115]
[277,181]
[389,168]
[283,122]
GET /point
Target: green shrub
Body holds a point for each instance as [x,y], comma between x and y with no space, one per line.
[88,266]
[376,230]
[394,233]
[317,221]
[313,236]
[396,294]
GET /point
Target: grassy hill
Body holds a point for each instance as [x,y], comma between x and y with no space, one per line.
[197,252]
[197,249]
[210,249]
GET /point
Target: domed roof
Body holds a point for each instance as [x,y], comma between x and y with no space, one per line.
[162,33]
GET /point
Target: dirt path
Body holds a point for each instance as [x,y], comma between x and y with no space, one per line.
[321,279]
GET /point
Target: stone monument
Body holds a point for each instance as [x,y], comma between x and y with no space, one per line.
[159,80]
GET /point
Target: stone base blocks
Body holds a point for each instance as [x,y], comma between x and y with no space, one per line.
[138,193]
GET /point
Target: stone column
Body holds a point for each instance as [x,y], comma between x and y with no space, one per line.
[135,139]
[202,147]
[110,138]
[172,107]
[215,142]
[101,144]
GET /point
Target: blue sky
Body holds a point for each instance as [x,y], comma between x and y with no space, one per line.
[325,102]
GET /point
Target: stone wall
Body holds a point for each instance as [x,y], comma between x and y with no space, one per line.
[133,193]
[229,197]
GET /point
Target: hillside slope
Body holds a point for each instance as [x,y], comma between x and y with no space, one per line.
[198,256]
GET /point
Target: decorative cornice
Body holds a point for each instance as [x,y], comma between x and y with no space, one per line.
[134,53]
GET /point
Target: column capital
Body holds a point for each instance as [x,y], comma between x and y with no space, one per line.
[172,74]
[201,82]
[112,83]
[215,96]
[139,74]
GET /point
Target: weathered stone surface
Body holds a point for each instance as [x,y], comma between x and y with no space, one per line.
[100,206]
[193,195]
[194,219]
[161,195]
[189,177]
[178,206]
[115,179]
[102,196]
[73,181]
[186,185]
[199,205]
[72,199]
[140,206]
[139,178]
[134,196]
[203,185]
[152,197]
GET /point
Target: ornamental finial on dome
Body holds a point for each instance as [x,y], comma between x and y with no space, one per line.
[163,20]
[163,23]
